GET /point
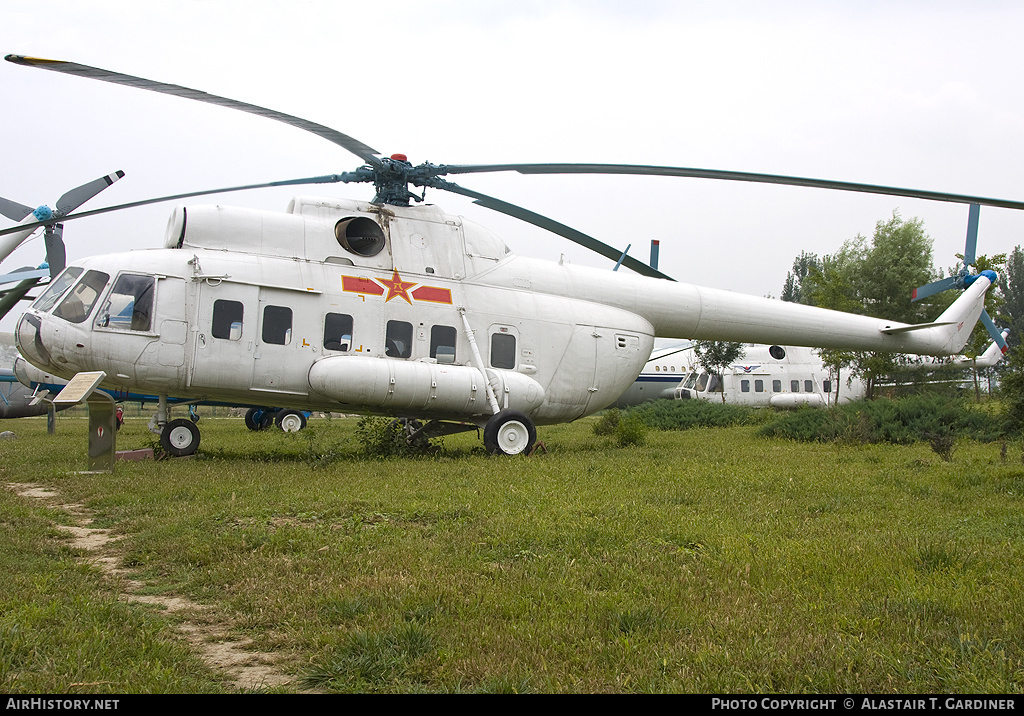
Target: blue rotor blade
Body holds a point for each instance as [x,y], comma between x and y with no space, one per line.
[971,247]
[996,334]
[934,287]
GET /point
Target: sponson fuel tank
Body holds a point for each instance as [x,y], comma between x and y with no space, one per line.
[420,386]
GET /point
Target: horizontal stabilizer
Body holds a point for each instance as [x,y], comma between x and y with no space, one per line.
[916,327]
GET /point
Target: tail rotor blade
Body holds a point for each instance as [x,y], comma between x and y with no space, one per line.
[78,196]
[933,288]
[996,334]
[971,247]
[56,253]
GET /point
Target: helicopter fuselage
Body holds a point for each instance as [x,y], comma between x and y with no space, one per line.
[347,306]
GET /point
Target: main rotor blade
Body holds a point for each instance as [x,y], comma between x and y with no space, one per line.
[13,210]
[76,197]
[367,154]
[326,179]
[729,176]
[553,226]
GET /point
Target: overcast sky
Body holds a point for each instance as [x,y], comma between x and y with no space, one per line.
[923,94]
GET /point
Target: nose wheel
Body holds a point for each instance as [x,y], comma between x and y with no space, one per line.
[180,437]
[510,432]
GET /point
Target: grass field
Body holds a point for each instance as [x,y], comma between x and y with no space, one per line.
[707,560]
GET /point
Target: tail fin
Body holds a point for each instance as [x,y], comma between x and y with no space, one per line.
[948,334]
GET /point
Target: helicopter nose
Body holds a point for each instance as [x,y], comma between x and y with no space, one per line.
[29,340]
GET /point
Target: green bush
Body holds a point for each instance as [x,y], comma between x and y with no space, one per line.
[901,422]
[630,430]
[686,414]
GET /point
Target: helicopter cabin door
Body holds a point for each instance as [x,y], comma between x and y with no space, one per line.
[225,339]
[286,342]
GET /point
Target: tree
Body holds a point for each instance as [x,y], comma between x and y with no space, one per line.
[875,280]
[716,356]
[1011,312]
[793,289]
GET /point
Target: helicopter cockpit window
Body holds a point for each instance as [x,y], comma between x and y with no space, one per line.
[398,339]
[442,343]
[503,351]
[129,307]
[57,288]
[702,383]
[277,325]
[715,384]
[77,305]
[338,332]
[691,380]
[227,319]
[360,235]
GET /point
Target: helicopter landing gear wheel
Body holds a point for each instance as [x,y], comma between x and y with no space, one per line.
[259,418]
[509,432]
[291,421]
[180,437]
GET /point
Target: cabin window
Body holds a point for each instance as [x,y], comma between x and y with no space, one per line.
[129,307]
[77,305]
[776,386]
[745,386]
[503,351]
[57,288]
[277,325]
[442,343]
[794,385]
[808,386]
[398,340]
[338,332]
[777,352]
[227,319]
[826,385]
[758,386]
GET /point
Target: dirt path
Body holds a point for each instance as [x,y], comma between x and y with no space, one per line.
[205,630]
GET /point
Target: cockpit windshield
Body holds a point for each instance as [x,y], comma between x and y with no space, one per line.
[57,288]
[77,305]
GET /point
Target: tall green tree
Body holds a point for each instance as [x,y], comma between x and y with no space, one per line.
[716,356]
[1011,312]
[793,288]
[875,278]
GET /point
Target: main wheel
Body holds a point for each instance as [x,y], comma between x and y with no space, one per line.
[180,437]
[509,432]
[259,418]
[291,421]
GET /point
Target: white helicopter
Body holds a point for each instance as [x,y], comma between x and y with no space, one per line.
[775,376]
[382,307]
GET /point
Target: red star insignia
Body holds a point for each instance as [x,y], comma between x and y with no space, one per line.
[397,288]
